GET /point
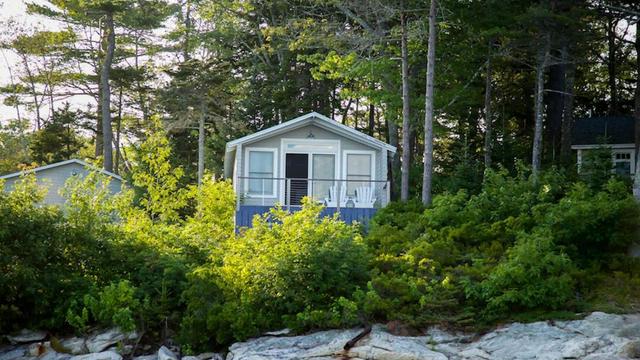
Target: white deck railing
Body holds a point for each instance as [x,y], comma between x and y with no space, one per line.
[338,193]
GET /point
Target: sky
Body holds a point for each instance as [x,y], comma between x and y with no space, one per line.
[15,10]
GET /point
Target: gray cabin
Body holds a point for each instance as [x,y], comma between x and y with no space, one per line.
[54,176]
[310,156]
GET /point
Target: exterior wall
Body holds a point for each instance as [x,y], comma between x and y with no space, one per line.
[54,179]
[319,133]
[583,150]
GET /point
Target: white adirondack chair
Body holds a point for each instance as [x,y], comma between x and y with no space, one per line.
[365,197]
[332,200]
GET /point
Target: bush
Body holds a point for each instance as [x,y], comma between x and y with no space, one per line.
[534,275]
[516,246]
[115,305]
[279,273]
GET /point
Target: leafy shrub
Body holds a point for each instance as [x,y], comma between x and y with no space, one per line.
[285,265]
[534,275]
[518,245]
[115,305]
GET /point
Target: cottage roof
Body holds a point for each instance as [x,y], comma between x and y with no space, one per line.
[316,119]
[58,164]
[608,129]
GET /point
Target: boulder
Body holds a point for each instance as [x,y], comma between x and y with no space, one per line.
[598,336]
[631,350]
[27,336]
[165,354]
[104,340]
[378,345]
[147,357]
[210,356]
[75,345]
[105,355]
[13,353]
[282,332]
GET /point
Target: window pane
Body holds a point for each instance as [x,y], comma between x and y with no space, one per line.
[261,161]
[358,164]
[623,167]
[323,168]
[358,168]
[261,167]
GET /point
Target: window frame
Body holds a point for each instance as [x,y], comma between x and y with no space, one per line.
[630,160]
[247,154]
[345,156]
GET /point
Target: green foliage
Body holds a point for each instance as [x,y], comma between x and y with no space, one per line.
[535,274]
[597,166]
[114,305]
[58,139]
[287,264]
[107,260]
[518,246]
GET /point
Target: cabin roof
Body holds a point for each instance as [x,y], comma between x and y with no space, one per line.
[59,164]
[603,129]
[316,119]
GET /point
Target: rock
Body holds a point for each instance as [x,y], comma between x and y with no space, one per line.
[13,354]
[598,336]
[165,354]
[474,353]
[278,332]
[189,358]
[206,356]
[631,350]
[102,341]
[53,355]
[146,357]
[105,355]
[378,345]
[27,336]
[210,356]
[75,345]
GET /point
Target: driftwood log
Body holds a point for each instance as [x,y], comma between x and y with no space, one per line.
[351,343]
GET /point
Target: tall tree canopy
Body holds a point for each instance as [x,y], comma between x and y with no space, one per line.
[510,79]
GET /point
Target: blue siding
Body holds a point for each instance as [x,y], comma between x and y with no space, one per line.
[245,214]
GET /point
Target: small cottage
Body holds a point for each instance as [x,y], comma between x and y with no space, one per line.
[310,156]
[615,132]
[54,176]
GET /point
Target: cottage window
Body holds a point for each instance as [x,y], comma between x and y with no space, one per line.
[622,162]
[359,167]
[261,167]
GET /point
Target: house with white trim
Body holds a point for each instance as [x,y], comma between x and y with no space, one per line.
[54,176]
[310,156]
[614,132]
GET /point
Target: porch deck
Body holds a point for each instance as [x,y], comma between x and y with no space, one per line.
[353,199]
[245,214]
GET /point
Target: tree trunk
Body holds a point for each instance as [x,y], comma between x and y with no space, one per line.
[406,124]
[611,64]
[32,84]
[394,161]
[372,119]
[488,133]
[636,114]
[567,111]
[554,99]
[201,143]
[536,157]
[428,108]
[116,165]
[107,132]
[187,31]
